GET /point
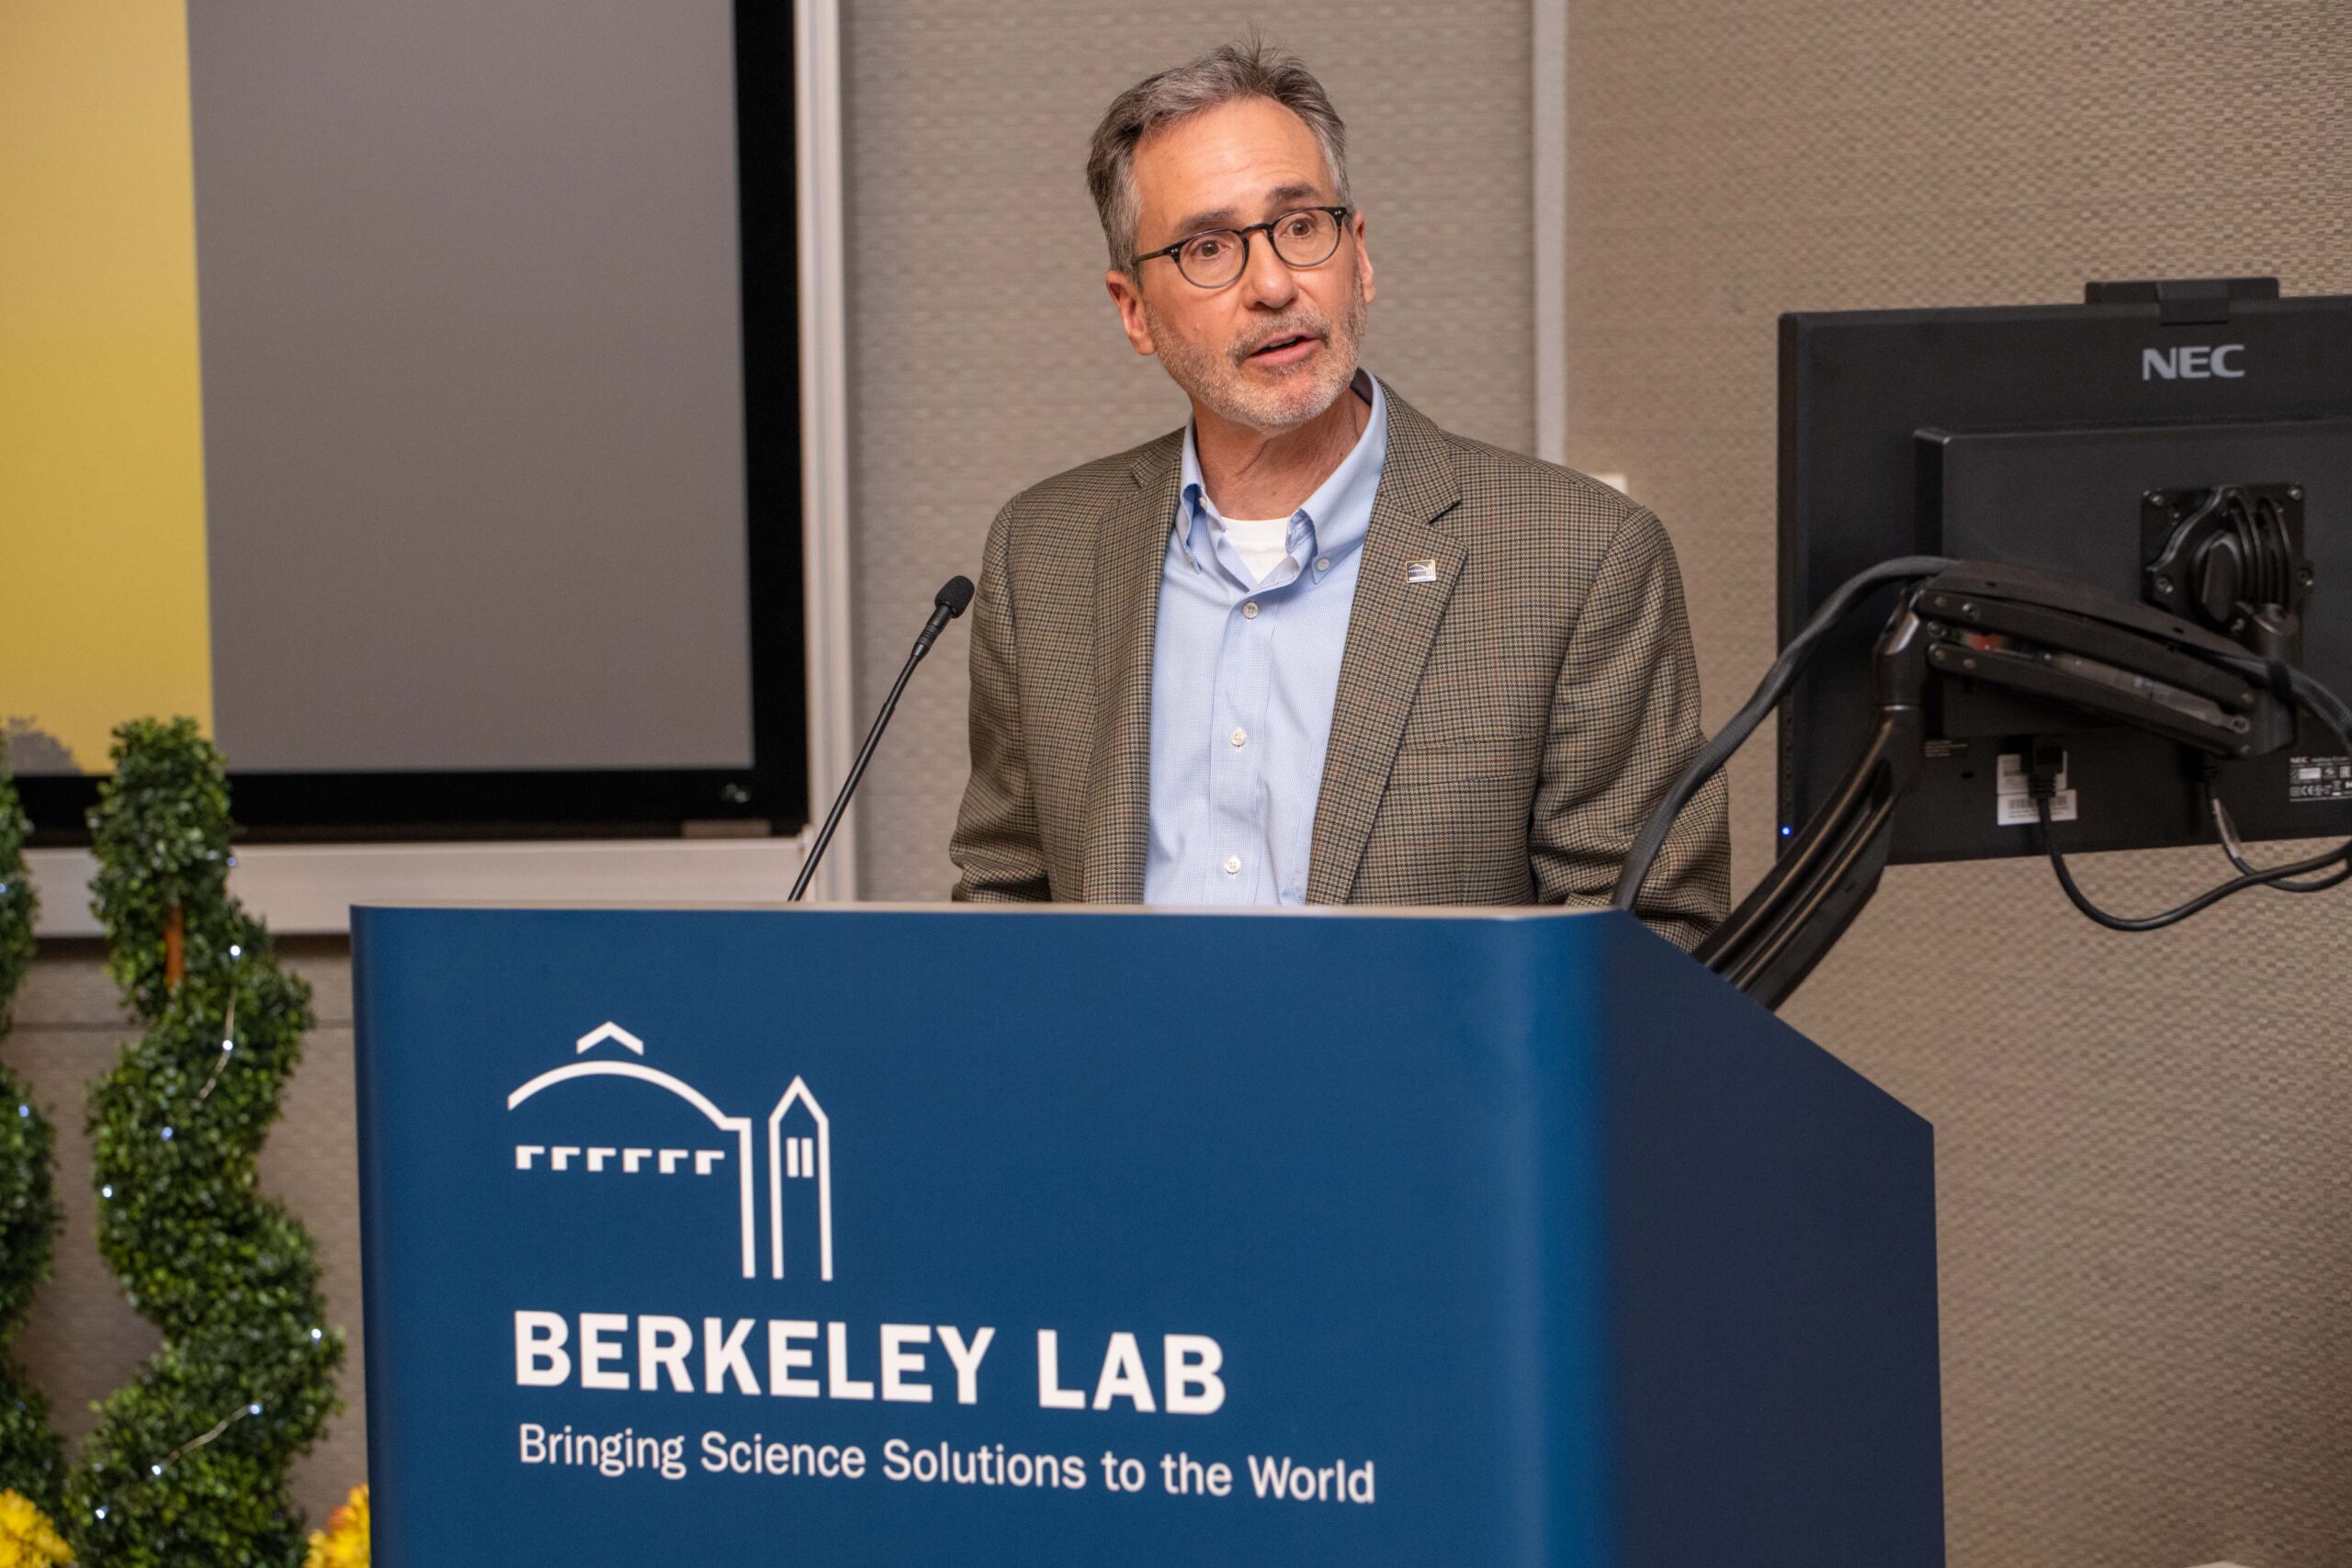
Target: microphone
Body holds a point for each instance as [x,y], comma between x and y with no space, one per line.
[954,597]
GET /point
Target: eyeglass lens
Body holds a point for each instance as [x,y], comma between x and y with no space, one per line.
[1305,238]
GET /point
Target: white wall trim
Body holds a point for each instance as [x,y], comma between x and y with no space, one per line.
[308,889]
[825,425]
[1550,122]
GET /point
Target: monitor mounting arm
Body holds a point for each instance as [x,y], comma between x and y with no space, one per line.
[2006,627]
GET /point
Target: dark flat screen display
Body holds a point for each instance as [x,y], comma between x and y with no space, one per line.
[2035,437]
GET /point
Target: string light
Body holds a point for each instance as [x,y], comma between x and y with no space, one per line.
[227,1033]
[177,1454]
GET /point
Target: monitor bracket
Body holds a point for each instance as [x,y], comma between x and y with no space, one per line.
[2230,558]
[2006,627]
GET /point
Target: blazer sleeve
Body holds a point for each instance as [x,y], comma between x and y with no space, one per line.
[996,846]
[1625,722]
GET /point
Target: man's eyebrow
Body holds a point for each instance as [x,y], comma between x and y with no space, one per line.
[1278,200]
[1193,223]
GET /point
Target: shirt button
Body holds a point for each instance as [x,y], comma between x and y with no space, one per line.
[1249,610]
[1239,737]
[1323,563]
[1233,865]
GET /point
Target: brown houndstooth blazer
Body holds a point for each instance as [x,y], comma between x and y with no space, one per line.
[1498,734]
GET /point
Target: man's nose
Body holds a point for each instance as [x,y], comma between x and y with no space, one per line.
[1267,280]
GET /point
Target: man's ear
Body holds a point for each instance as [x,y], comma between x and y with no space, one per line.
[1364,260]
[1125,295]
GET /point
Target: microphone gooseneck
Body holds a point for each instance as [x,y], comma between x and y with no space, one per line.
[954,597]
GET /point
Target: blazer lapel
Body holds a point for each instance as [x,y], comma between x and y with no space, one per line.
[1391,627]
[1130,546]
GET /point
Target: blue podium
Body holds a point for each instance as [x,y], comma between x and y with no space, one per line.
[956,1236]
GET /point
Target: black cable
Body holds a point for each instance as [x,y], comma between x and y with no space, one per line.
[2251,573]
[2333,712]
[2234,848]
[1769,692]
[2277,554]
[2197,905]
[2330,710]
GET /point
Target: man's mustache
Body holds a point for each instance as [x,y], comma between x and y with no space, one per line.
[1305,326]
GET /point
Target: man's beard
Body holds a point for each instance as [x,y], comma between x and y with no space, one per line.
[1219,381]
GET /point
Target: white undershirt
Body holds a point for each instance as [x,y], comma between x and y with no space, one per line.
[1263,543]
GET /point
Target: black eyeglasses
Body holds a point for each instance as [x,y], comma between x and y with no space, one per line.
[1306,236]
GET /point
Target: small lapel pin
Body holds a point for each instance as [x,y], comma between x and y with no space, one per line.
[1420,571]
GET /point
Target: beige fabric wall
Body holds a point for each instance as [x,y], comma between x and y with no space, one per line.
[984,354]
[2144,1144]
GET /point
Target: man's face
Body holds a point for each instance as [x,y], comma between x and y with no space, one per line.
[1275,347]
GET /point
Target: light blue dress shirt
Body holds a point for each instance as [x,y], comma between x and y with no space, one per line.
[1243,676]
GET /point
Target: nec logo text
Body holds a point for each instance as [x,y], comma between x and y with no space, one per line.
[2193,363]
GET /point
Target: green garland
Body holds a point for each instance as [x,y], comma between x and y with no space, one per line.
[32,1460]
[188,1465]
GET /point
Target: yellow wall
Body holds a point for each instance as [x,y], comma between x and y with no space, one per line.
[102,599]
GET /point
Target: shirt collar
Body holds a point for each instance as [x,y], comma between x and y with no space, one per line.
[1340,509]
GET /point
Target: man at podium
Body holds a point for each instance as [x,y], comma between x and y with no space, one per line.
[1311,648]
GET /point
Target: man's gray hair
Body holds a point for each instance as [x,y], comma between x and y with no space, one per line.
[1228,72]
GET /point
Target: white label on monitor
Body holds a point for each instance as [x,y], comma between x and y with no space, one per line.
[2014,799]
[2315,779]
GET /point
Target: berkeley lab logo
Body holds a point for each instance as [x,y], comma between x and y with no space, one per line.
[799,1148]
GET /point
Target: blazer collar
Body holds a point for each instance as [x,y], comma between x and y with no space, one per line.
[1411,561]
[1130,547]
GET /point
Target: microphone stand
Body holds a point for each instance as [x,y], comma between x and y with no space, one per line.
[954,595]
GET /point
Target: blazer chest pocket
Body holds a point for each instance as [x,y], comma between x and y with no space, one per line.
[1463,764]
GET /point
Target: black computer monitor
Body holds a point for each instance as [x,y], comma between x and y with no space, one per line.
[2081,440]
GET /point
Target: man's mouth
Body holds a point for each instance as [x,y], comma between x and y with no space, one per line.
[1287,349]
